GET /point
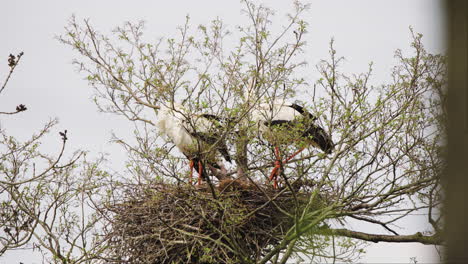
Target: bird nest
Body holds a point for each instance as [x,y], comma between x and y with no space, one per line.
[168,223]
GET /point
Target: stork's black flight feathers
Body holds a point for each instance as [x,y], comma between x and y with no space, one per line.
[312,131]
[213,139]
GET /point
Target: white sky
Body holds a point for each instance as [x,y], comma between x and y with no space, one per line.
[49,86]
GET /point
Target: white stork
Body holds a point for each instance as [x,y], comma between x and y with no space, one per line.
[281,123]
[195,135]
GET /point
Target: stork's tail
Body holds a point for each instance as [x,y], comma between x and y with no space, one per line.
[320,137]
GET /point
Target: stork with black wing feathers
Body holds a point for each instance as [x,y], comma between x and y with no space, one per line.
[195,135]
[281,123]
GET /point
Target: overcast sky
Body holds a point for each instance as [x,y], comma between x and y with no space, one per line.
[49,86]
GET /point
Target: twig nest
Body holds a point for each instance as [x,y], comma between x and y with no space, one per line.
[181,224]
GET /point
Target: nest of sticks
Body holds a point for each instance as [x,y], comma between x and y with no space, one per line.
[168,223]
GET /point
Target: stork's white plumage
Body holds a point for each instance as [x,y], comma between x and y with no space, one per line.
[281,123]
[195,135]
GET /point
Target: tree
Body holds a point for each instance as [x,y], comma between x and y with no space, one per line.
[45,198]
[385,165]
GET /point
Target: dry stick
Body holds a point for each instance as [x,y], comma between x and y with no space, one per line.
[11,113]
[210,224]
[417,237]
[210,184]
[370,220]
[12,68]
[270,200]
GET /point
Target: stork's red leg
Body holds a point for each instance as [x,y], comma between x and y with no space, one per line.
[293,155]
[200,170]
[276,170]
[277,155]
[191,171]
